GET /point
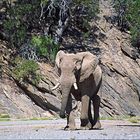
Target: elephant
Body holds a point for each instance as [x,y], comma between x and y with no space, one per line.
[81,78]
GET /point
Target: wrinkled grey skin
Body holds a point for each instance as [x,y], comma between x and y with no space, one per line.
[83,69]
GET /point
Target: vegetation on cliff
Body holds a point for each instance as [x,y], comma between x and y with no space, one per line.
[37,28]
[129,18]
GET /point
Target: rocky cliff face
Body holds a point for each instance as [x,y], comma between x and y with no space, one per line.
[120,91]
[121,68]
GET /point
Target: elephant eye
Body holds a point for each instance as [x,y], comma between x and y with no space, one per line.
[75,69]
[60,60]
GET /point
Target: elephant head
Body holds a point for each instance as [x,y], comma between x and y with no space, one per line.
[69,66]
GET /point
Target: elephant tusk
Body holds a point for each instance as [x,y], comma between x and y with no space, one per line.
[75,86]
[56,86]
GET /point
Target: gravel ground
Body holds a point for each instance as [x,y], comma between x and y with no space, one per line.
[53,129]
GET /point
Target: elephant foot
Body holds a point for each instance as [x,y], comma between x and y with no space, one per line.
[97,125]
[86,127]
[67,128]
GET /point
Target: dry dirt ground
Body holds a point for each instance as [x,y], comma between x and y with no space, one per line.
[53,129]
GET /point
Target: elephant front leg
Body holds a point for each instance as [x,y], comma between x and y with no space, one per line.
[85,122]
[70,116]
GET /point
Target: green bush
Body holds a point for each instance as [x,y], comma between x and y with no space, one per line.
[25,69]
[91,5]
[4,116]
[45,47]
[129,11]
[133,16]
[19,21]
[84,11]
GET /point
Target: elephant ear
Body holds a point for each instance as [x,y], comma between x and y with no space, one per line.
[58,58]
[88,65]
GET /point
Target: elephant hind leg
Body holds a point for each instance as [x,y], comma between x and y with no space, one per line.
[85,122]
[90,114]
[96,103]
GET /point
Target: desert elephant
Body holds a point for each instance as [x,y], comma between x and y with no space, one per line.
[80,76]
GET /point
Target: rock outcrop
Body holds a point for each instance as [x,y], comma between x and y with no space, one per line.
[120,93]
[24,99]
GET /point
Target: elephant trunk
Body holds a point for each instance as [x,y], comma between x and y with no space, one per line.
[64,104]
[66,86]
